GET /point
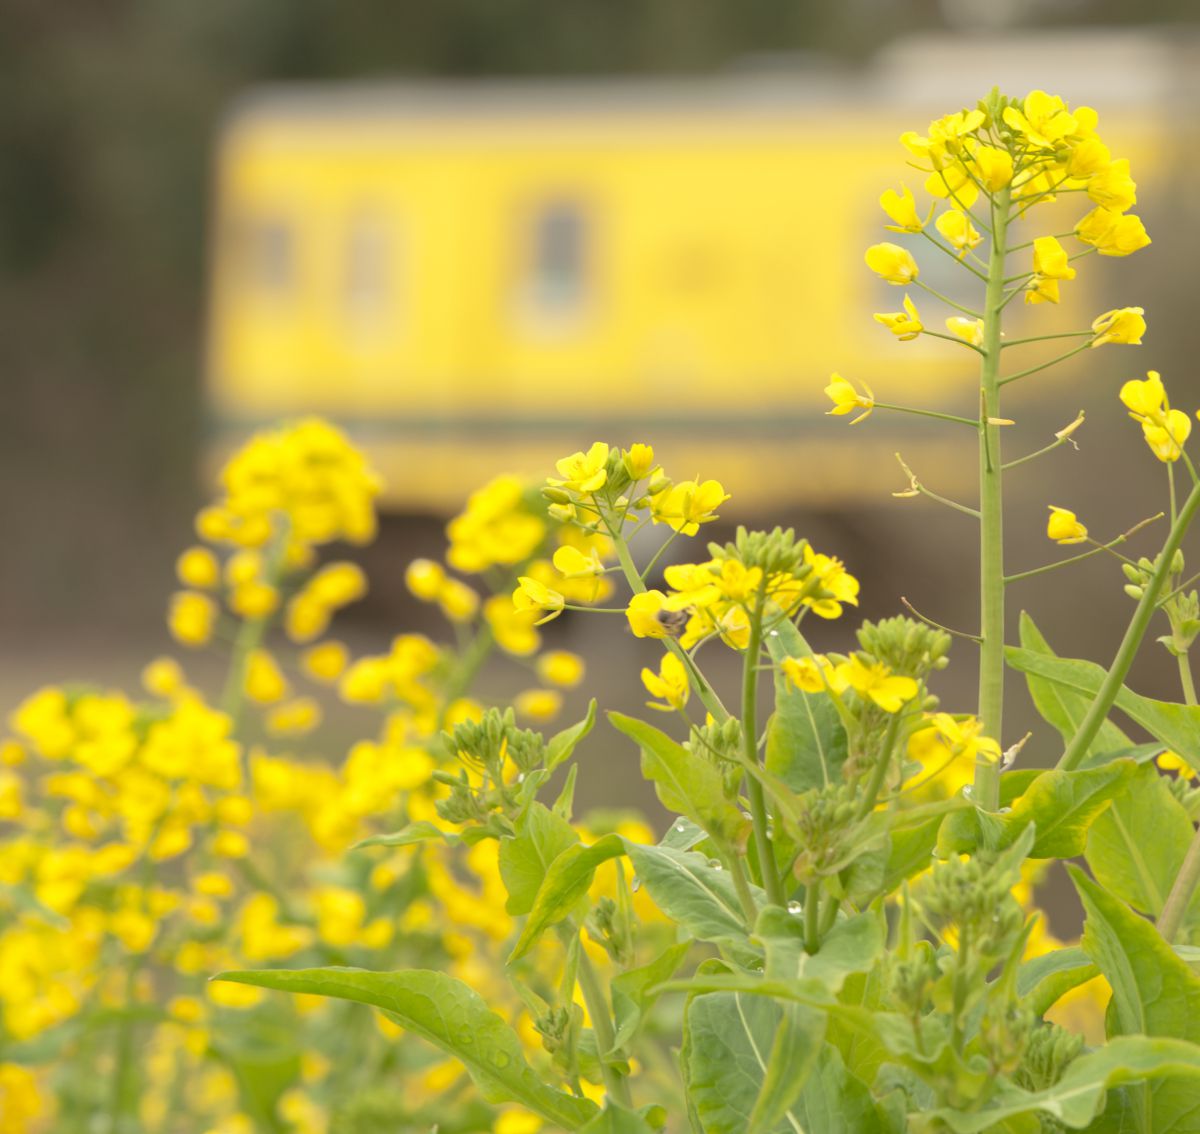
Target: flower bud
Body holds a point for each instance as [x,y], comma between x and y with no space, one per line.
[1133,592]
[557,495]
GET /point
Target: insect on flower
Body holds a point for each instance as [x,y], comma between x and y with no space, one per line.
[674,622]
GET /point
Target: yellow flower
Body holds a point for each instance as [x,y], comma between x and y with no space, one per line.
[1144,399]
[1172,762]
[538,704]
[893,263]
[953,183]
[687,505]
[1121,325]
[877,682]
[969,330]
[1112,188]
[295,718]
[958,231]
[457,601]
[576,564]
[902,208]
[638,461]
[1063,527]
[531,595]
[496,527]
[513,629]
[337,584]
[808,674]
[197,567]
[326,661]
[1166,439]
[254,600]
[1050,259]
[163,677]
[846,399]
[669,684]
[191,617]
[560,667]
[424,579]
[1112,233]
[1043,119]
[264,682]
[652,614]
[994,167]
[1042,290]
[1089,157]
[905,325]
[583,472]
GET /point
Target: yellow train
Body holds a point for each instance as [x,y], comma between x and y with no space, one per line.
[477,277]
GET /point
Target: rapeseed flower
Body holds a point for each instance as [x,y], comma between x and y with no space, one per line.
[1063,527]
[905,325]
[1121,325]
[846,399]
[892,263]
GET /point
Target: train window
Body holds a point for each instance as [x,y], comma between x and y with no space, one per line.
[366,271]
[268,254]
[558,257]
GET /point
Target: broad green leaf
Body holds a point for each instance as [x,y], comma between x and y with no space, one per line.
[727,1047]
[419,832]
[686,784]
[449,1015]
[635,990]
[562,744]
[1042,980]
[1062,806]
[797,1046]
[1078,1096]
[1176,726]
[699,897]
[1062,707]
[1154,993]
[525,858]
[1136,847]
[806,741]
[682,835]
[566,881]
[834,1101]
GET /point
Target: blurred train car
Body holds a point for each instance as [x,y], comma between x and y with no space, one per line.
[472,277]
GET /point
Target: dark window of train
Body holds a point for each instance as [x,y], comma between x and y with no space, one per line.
[269,255]
[558,276]
[366,280]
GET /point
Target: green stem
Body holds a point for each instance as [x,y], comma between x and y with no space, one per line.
[469,663]
[1181,893]
[593,996]
[812,916]
[1098,710]
[1185,679]
[740,883]
[1100,547]
[1043,366]
[931,413]
[879,772]
[991,525]
[754,789]
[947,300]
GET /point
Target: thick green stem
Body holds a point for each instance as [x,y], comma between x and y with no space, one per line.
[754,789]
[1135,632]
[593,996]
[991,522]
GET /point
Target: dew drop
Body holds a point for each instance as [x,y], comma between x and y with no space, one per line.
[967,792]
[795,908]
[465,1037]
[500,1059]
[521,778]
[772,633]
[681,826]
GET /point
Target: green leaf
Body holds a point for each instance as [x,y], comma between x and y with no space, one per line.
[910,852]
[562,744]
[834,1101]
[727,1047]
[1078,1096]
[806,741]
[1062,707]
[1042,980]
[525,858]
[1154,993]
[683,834]
[1061,804]
[450,1016]
[419,832]
[853,945]
[1176,726]
[566,881]
[686,784]
[697,896]
[1136,847]
[797,1046]
[635,990]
